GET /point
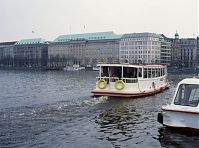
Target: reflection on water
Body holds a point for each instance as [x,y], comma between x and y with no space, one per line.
[173,138]
[118,123]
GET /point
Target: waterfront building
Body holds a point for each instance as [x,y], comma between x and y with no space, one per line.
[7,54]
[188,51]
[140,48]
[184,52]
[165,56]
[175,52]
[59,55]
[197,57]
[31,53]
[84,49]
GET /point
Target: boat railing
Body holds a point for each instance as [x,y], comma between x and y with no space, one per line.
[114,79]
[130,80]
[108,79]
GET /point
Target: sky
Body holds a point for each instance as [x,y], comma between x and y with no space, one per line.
[22,19]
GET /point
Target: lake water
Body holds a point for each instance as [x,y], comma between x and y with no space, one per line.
[56,109]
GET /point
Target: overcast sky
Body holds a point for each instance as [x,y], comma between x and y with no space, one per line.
[50,18]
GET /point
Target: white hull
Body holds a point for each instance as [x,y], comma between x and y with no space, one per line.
[181,118]
[116,93]
[143,87]
[183,112]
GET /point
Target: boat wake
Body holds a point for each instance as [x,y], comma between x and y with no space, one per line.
[50,108]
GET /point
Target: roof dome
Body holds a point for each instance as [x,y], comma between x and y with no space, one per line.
[176,35]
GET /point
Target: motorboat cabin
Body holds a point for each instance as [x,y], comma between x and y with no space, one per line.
[125,80]
[183,112]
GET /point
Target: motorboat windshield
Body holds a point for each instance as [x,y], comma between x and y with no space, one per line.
[187,95]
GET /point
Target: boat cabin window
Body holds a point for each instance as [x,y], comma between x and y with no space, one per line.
[149,72]
[163,72]
[158,72]
[130,72]
[139,72]
[145,72]
[104,72]
[111,71]
[153,72]
[187,95]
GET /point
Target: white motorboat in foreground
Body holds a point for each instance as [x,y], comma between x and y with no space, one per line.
[125,80]
[183,112]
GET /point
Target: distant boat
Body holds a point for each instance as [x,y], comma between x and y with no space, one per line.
[125,80]
[96,68]
[73,68]
[183,112]
[68,68]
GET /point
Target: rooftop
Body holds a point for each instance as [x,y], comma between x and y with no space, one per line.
[7,43]
[30,41]
[143,34]
[87,36]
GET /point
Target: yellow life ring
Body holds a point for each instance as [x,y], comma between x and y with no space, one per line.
[99,84]
[119,87]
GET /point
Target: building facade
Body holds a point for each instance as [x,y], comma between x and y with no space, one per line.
[31,53]
[88,49]
[165,56]
[197,57]
[84,49]
[175,52]
[184,52]
[7,54]
[140,48]
[188,51]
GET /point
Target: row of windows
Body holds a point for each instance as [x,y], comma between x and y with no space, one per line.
[140,39]
[139,52]
[139,43]
[139,47]
[154,72]
[140,56]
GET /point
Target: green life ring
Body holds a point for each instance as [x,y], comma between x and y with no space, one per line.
[119,87]
[101,86]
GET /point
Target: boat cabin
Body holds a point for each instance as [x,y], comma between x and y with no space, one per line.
[131,72]
[130,80]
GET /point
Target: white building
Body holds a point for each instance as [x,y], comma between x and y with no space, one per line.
[140,48]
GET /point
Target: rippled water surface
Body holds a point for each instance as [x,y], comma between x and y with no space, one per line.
[56,109]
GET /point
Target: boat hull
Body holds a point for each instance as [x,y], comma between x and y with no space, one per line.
[128,94]
[180,120]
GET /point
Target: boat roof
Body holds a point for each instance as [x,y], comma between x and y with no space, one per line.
[190,81]
[132,65]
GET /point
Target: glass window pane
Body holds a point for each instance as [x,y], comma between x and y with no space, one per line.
[187,95]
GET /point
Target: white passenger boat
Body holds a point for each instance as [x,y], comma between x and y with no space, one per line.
[183,112]
[125,80]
